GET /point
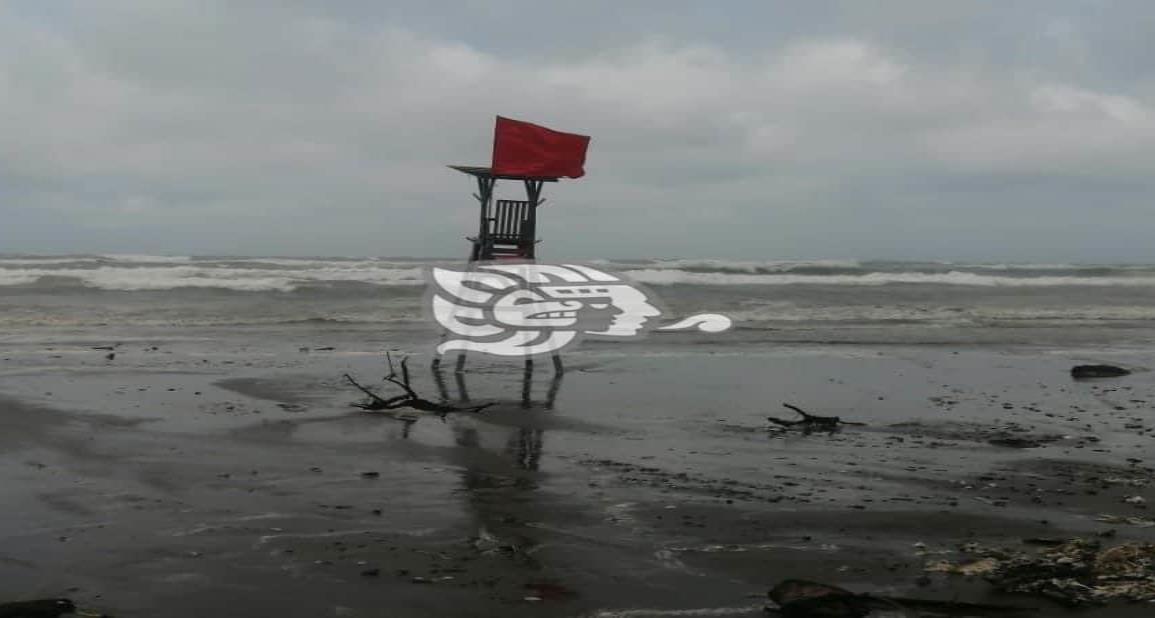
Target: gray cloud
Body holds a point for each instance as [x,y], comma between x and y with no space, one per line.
[758,130]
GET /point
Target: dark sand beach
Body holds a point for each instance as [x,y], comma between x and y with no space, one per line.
[191,478]
[213,470]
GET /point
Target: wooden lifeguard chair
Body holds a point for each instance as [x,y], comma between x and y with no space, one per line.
[507,229]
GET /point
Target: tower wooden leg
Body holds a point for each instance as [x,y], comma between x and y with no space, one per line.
[439,380]
[527,385]
[462,393]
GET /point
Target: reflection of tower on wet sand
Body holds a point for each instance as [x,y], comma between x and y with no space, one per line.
[525,448]
[501,497]
[524,444]
[527,402]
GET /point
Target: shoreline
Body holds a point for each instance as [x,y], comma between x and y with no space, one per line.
[193,477]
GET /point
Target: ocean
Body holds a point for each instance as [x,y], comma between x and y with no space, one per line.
[770,302]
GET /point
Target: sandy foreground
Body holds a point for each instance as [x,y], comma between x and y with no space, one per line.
[201,477]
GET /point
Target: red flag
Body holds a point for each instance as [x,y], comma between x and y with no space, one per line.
[524,149]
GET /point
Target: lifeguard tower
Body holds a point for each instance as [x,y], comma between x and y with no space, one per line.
[507,229]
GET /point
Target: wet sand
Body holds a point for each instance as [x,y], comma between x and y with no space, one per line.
[190,477]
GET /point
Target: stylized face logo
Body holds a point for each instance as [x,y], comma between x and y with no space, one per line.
[526,309]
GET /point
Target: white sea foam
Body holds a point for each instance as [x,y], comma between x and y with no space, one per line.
[146,259]
[673,277]
[18,277]
[1026,266]
[749,266]
[45,261]
[143,277]
[1013,267]
[145,272]
[186,276]
[299,262]
[786,311]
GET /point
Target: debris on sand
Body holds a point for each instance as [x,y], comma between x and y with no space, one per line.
[798,598]
[810,422]
[982,566]
[1080,372]
[1076,572]
[1015,442]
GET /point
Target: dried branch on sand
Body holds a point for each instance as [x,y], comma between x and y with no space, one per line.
[810,422]
[410,399]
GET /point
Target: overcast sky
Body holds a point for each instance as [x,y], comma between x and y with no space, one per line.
[912,129]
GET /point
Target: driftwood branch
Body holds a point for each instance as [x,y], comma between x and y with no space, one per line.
[404,382]
[810,422]
[375,401]
[410,399]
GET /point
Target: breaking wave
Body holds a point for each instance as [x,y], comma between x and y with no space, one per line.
[115,272]
[673,277]
[184,276]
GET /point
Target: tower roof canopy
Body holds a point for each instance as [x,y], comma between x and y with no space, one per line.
[486,172]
